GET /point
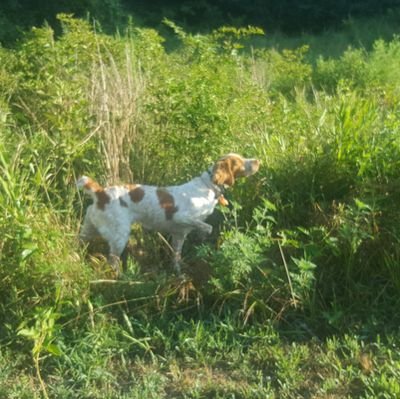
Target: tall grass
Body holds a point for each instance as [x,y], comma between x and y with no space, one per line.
[305,251]
[115,101]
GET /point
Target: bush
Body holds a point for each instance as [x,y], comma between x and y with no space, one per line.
[312,245]
[284,72]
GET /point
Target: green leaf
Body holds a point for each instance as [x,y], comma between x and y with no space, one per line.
[54,349]
[28,332]
[362,206]
[27,252]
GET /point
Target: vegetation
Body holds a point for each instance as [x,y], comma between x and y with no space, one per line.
[293,18]
[296,294]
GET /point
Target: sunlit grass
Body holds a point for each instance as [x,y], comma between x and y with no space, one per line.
[296,292]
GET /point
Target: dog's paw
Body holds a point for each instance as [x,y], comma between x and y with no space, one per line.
[114,262]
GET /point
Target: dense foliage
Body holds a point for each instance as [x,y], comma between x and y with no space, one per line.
[292,17]
[297,291]
[287,15]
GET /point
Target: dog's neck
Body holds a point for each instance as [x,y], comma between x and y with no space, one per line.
[207,178]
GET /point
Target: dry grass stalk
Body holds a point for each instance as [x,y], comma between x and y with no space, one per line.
[116,91]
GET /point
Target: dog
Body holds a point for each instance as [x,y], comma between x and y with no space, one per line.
[175,210]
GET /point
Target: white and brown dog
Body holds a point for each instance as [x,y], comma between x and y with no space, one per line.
[175,210]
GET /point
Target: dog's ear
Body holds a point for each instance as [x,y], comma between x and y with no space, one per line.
[223,174]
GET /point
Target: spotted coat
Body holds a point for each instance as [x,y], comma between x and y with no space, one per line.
[175,210]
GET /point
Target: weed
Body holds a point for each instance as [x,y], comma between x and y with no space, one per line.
[296,292]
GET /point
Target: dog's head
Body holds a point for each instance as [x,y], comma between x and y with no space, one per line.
[232,166]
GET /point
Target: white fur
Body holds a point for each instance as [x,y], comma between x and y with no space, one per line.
[193,202]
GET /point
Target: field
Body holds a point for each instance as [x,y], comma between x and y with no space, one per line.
[295,295]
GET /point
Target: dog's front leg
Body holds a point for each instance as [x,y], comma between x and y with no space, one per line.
[177,245]
[117,242]
[113,261]
[189,222]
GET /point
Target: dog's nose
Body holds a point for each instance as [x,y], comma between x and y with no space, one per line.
[252,166]
[256,164]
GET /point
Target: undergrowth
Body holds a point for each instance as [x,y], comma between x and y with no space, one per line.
[296,292]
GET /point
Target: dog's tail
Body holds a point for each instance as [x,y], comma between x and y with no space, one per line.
[89,186]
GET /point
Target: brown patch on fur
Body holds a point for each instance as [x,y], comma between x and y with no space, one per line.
[93,186]
[123,203]
[102,197]
[136,193]
[228,169]
[167,202]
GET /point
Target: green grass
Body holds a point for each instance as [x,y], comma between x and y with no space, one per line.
[212,357]
[296,292]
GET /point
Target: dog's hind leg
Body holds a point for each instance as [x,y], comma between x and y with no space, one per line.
[88,231]
[177,245]
[117,242]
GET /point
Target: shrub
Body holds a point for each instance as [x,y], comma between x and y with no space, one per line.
[282,72]
[314,240]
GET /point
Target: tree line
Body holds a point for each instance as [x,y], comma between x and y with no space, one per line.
[288,16]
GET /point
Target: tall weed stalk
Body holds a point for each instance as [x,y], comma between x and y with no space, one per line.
[117,87]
